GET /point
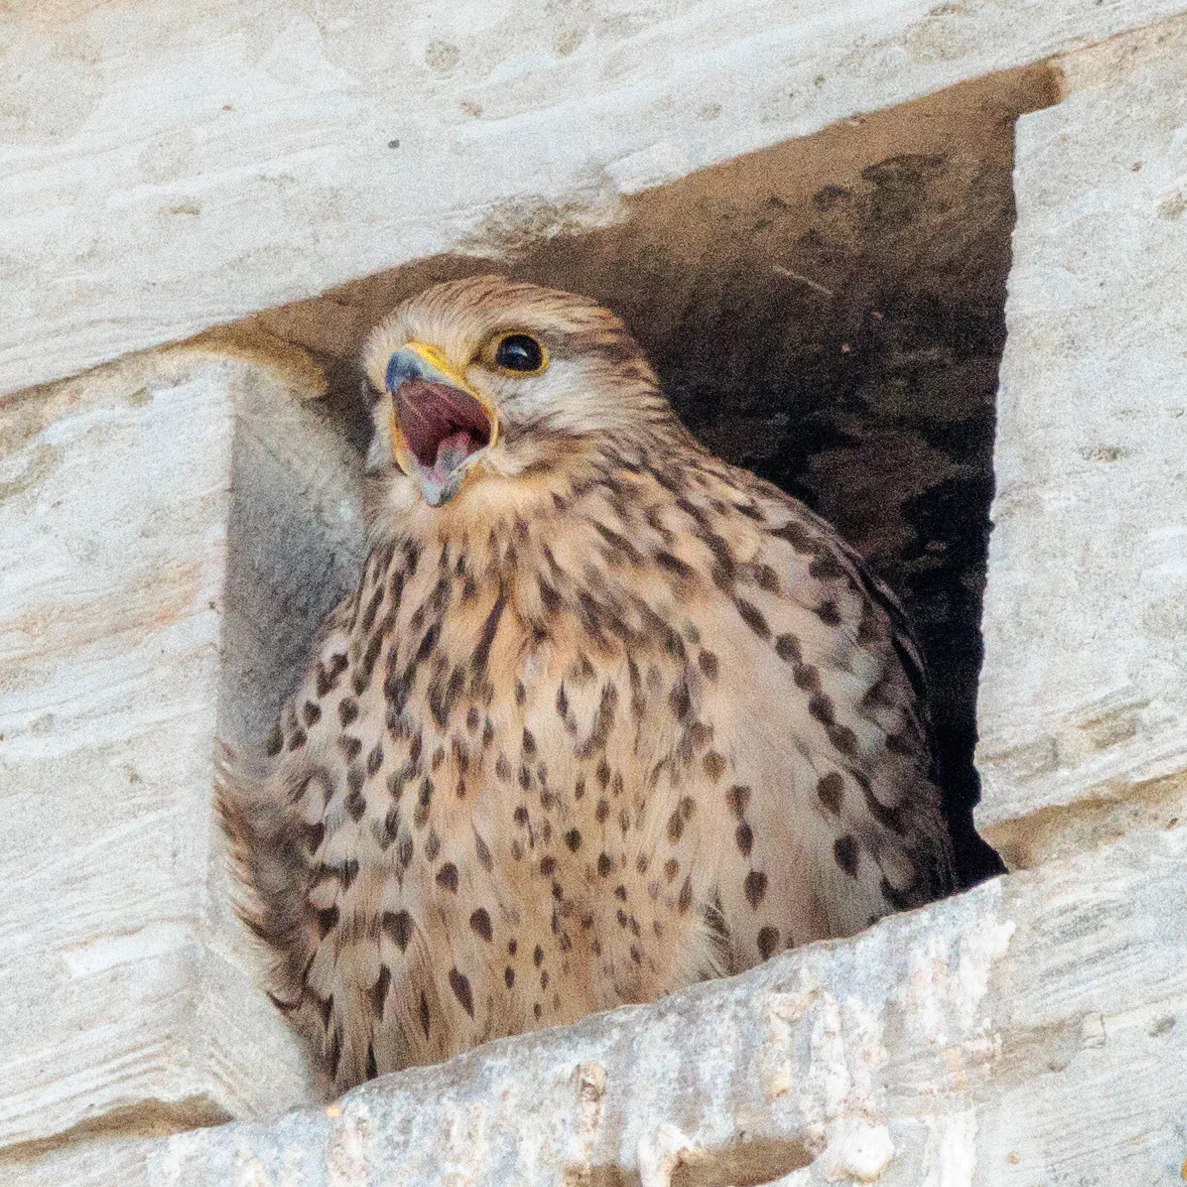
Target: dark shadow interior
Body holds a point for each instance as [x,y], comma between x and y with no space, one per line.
[829,313]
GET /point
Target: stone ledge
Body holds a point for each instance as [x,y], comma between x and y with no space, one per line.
[1083,698]
[1005,1036]
[129,991]
[229,198]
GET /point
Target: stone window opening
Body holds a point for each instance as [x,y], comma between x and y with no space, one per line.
[828,313]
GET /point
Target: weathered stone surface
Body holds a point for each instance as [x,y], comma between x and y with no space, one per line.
[1027,1033]
[172,166]
[1083,706]
[126,985]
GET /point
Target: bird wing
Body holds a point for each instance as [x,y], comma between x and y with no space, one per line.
[819,712]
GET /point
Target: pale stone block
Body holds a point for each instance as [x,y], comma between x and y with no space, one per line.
[1027,1033]
[1083,702]
[134,504]
[284,147]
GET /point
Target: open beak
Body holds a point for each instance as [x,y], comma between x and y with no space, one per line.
[438,421]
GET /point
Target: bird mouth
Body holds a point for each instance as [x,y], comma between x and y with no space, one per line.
[439,423]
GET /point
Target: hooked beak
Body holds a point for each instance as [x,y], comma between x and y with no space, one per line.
[439,423]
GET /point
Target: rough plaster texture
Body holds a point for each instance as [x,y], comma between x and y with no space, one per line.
[1083,706]
[168,167]
[1031,1032]
[126,984]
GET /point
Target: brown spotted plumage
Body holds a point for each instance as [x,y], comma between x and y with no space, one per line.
[604,716]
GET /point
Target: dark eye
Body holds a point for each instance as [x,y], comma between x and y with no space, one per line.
[519,352]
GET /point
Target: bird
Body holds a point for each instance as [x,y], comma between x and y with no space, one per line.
[605,715]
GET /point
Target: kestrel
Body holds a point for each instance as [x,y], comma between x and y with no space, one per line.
[605,715]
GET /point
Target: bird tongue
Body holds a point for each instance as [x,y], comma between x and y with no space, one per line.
[454,450]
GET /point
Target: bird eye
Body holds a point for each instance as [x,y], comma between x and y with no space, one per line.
[520,353]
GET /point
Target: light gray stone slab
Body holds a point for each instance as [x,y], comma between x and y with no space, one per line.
[1083,703]
[172,166]
[1031,1032]
[126,984]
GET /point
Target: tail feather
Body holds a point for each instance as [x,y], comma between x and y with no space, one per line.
[271,882]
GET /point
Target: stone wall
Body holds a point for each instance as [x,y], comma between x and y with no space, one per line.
[1083,731]
[173,525]
[172,166]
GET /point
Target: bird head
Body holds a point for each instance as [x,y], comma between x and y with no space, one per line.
[485,377]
